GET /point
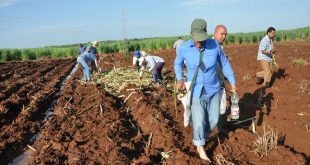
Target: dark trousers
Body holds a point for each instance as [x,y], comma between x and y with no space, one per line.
[157,75]
[92,66]
[137,66]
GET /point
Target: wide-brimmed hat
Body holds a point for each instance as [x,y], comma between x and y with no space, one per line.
[199,30]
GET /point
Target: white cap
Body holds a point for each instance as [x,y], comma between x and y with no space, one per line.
[143,54]
[95,42]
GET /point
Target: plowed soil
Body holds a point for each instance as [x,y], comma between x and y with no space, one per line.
[91,126]
[27,89]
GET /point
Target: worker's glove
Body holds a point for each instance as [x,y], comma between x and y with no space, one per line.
[99,70]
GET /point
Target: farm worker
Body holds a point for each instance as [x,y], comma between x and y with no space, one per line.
[93,50]
[264,56]
[155,64]
[205,100]
[84,59]
[219,35]
[136,55]
[81,49]
[178,43]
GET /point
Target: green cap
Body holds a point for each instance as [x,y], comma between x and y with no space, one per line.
[199,30]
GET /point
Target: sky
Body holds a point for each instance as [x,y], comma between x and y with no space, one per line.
[39,23]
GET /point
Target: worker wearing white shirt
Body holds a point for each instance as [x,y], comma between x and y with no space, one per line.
[155,64]
[136,55]
[178,43]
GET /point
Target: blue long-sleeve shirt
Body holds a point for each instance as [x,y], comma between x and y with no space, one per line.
[207,79]
[81,50]
[136,54]
[87,57]
[92,50]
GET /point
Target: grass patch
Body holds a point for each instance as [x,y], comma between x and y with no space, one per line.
[246,77]
[299,61]
[222,161]
[265,143]
[303,86]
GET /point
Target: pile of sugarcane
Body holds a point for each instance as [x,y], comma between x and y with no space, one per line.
[116,79]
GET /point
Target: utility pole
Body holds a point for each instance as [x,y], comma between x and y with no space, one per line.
[125,41]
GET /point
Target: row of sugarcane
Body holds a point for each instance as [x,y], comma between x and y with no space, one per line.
[147,44]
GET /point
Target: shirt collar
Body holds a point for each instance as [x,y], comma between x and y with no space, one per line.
[191,45]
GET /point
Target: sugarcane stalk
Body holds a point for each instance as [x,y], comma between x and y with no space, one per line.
[175,99]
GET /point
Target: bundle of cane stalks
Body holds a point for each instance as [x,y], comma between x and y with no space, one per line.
[116,79]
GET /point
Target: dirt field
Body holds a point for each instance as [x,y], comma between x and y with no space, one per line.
[26,91]
[91,126]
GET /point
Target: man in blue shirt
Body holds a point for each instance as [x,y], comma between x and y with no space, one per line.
[81,49]
[205,103]
[93,50]
[84,59]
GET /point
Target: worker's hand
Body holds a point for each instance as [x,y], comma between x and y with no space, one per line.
[234,88]
[273,51]
[180,85]
[99,70]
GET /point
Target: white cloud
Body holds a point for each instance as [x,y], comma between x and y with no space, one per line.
[4,3]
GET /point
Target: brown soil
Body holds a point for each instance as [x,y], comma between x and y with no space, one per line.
[91,126]
[26,91]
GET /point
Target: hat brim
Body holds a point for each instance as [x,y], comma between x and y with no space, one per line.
[143,54]
[200,36]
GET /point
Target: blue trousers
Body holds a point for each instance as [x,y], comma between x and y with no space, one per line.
[85,67]
[205,115]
